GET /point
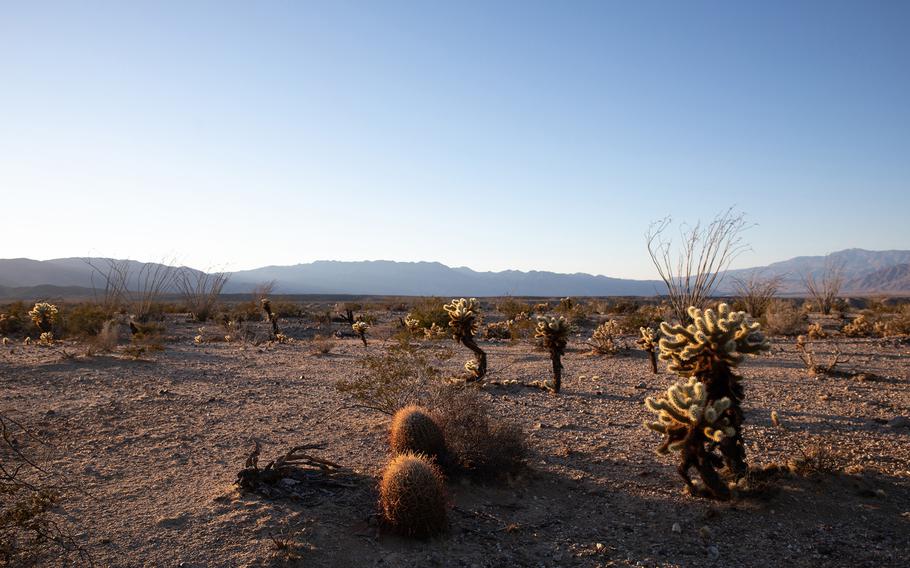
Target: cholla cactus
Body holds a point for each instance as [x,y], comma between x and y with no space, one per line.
[5,341]
[360,328]
[712,340]
[554,333]
[706,352]
[434,332]
[464,321]
[282,338]
[44,315]
[604,340]
[271,316]
[859,327]
[46,338]
[412,324]
[27,341]
[648,342]
[816,331]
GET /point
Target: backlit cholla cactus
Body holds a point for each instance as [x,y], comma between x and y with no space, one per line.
[360,328]
[464,321]
[648,342]
[412,324]
[46,338]
[706,352]
[43,315]
[434,332]
[859,327]
[604,339]
[816,331]
[554,334]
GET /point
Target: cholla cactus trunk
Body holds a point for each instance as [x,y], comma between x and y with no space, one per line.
[464,319]
[273,318]
[705,414]
[555,335]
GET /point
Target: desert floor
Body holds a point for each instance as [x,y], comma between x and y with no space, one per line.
[156,445]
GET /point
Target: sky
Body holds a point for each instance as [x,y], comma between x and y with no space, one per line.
[494,135]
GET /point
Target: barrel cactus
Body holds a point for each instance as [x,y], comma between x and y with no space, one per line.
[703,414]
[464,321]
[415,431]
[412,497]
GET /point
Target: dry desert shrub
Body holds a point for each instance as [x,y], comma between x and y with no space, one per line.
[323,344]
[511,308]
[755,292]
[605,339]
[783,318]
[481,444]
[200,291]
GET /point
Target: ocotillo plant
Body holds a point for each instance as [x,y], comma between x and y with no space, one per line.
[360,328]
[554,332]
[273,317]
[464,319]
[704,414]
[648,342]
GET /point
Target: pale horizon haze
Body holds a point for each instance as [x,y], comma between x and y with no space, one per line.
[493,135]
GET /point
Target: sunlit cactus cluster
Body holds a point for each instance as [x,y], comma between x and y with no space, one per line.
[43,315]
[464,317]
[605,339]
[702,414]
[685,407]
[721,337]
[360,328]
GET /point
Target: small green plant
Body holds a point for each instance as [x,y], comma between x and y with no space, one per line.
[464,321]
[412,497]
[414,430]
[605,339]
[702,414]
[554,335]
[360,328]
[648,342]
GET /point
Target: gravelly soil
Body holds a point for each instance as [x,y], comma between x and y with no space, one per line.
[157,444]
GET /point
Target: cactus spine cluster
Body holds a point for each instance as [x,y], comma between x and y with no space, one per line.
[604,339]
[464,321]
[415,431]
[412,496]
[648,342]
[360,328]
[43,315]
[554,333]
[703,414]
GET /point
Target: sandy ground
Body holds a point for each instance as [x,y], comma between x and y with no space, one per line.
[157,444]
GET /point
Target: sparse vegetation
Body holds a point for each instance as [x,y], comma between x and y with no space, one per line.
[815,365]
[605,339]
[756,292]
[391,380]
[200,291]
[783,318]
[360,329]
[824,288]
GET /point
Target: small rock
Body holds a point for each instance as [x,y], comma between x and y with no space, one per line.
[713,552]
[677,528]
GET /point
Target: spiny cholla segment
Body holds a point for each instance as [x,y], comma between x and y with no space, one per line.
[43,314]
[722,336]
[554,331]
[464,317]
[684,406]
[648,339]
[360,327]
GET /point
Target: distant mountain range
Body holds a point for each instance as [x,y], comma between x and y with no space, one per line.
[865,272]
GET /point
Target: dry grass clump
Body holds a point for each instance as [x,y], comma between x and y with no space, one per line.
[412,498]
[480,443]
[818,459]
[783,318]
[323,344]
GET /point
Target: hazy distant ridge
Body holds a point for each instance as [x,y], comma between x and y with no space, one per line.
[865,272]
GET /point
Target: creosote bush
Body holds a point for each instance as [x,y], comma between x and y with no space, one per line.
[464,321]
[783,318]
[412,497]
[701,417]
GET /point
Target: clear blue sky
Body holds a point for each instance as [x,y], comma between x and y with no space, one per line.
[528,135]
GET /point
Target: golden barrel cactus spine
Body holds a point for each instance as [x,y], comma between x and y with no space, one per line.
[412,497]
